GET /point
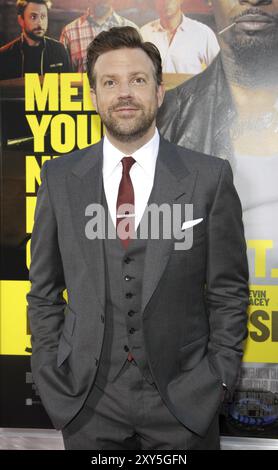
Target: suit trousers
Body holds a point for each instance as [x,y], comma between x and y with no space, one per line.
[129,414]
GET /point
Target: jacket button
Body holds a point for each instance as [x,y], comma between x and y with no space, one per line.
[129,295]
[126,348]
[131,313]
[132,330]
[127,278]
[127,260]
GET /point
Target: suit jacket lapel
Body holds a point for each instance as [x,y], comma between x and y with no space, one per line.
[84,188]
[173,184]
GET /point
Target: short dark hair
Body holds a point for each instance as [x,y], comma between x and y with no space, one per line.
[22,4]
[120,38]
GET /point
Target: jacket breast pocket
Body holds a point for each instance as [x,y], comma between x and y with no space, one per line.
[65,343]
[191,354]
[56,67]
[180,249]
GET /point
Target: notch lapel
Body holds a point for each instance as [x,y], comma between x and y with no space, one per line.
[84,185]
[173,184]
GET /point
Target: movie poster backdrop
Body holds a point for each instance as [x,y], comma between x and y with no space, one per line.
[43,118]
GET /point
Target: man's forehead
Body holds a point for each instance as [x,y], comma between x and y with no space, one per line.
[35,7]
[131,73]
[98,2]
[129,58]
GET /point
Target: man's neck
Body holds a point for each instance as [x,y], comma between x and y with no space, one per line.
[254,92]
[254,88]
[128,148]
[101,19]
[260,72]
[30,42]
[171,23]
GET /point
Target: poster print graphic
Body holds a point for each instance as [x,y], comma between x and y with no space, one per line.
[230,111]
[27,142]
[20,176]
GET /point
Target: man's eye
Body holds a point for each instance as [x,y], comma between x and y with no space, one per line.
[109,83]
[139,80]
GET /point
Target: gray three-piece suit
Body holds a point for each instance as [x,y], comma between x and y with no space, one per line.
[181,313]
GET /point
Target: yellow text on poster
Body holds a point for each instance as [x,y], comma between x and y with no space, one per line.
[15,337]
[261,345]
[262,342]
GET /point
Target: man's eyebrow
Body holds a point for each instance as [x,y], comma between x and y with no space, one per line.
[132,74]
[109,76]
[141,72]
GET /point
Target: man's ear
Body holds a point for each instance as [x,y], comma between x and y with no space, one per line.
[160,94]
[20,21]
[94,98]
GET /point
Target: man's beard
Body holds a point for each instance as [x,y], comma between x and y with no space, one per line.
[254,47]
[253,60]
[101,10]
[125,129]
[34,36]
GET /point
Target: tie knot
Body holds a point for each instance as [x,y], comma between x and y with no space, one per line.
[127,163]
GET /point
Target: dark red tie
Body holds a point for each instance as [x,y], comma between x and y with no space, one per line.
[126,196]
[125,203]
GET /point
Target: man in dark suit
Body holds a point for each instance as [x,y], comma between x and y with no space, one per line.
[151,335]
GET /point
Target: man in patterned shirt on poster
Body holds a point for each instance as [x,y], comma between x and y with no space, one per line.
[77,35]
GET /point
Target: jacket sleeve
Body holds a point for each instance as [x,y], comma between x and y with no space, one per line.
[65,41]
[227,292]
[67,68]
[45,299]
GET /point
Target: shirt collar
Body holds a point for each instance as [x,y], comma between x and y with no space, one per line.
[184,23]
[145,156]
[182,26]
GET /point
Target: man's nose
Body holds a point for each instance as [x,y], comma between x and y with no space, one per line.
[125,89]
[255,2]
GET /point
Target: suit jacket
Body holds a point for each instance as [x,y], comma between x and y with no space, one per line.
[193,301]
[54,58]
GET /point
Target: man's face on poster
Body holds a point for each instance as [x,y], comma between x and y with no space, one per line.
[256,24]
[100,8]
[168,8]
[35,21]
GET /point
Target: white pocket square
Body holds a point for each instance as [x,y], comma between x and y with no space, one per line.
[190,223]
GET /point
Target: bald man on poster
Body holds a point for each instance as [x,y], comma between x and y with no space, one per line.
[231,111]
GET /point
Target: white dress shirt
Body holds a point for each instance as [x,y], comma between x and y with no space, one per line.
[193,47]
[141,174]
